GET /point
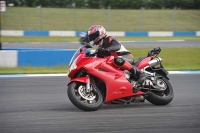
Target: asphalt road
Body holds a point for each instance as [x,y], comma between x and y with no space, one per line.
[70,45]
[41,105]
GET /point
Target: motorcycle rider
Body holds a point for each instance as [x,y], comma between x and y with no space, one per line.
[108,45]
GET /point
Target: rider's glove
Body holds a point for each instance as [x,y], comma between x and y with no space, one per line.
[88,54]
[102,50]
[154,51]
[105,50]
[91,43]
[157,50]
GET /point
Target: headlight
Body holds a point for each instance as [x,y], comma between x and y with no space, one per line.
[72,66]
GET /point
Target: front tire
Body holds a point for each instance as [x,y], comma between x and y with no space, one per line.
[164,98]
[91,101]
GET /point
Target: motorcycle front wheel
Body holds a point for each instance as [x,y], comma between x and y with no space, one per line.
[87,101]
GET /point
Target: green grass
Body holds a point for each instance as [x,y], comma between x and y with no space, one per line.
[23,18]
[34,70]
[173,59]
[76,39]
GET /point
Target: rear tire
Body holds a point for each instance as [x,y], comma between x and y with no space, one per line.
[81,99]
[165,99]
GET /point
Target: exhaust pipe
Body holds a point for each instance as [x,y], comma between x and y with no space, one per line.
[155,62]
[152,63]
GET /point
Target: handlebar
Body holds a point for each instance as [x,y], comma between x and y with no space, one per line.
[88,45]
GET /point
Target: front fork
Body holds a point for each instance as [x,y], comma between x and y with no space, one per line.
[88,84]
[85,80]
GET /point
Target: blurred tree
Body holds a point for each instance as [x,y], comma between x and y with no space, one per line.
[155,4]
[197,4]
[136,4]
[114,4]
[188,4]
[94,3]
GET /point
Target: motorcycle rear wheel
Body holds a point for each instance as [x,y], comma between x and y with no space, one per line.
[91,101]
[163,99]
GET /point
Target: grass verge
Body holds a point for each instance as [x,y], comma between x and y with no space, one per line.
[21,18]
[34,70]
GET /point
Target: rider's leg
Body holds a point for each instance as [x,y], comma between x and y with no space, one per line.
[140,74]
[123,64]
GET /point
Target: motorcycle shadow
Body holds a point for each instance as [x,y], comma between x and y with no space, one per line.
[71,108]
[66,108]
[126,106]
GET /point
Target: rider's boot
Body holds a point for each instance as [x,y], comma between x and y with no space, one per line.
[140,74]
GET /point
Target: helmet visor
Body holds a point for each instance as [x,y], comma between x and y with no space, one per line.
[93,36]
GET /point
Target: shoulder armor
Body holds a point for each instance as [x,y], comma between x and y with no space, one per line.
[110,38]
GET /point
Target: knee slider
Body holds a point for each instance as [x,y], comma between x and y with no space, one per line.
[119,61]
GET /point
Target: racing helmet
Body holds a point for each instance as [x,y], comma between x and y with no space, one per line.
[96,33]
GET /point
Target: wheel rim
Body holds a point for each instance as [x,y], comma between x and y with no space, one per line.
[84,97]
[165,90]
[162,84]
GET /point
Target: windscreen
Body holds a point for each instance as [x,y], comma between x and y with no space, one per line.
[75,54]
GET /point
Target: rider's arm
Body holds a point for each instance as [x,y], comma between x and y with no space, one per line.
[114,45]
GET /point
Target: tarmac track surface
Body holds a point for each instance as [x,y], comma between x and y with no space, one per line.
[75,45]
[41,105]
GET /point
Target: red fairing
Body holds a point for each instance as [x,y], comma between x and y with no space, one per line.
[79,57]
[80,79]
[144,63]
[117,86]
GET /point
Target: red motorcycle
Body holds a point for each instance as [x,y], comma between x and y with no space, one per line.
[95,80]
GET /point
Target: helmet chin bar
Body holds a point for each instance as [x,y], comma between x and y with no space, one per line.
[92,43]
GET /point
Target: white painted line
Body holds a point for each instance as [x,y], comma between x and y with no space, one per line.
[73,42]
[170,40]
[45,75]
[155,41]
[32,75]
[12,75]
[184,72]
[127,41]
